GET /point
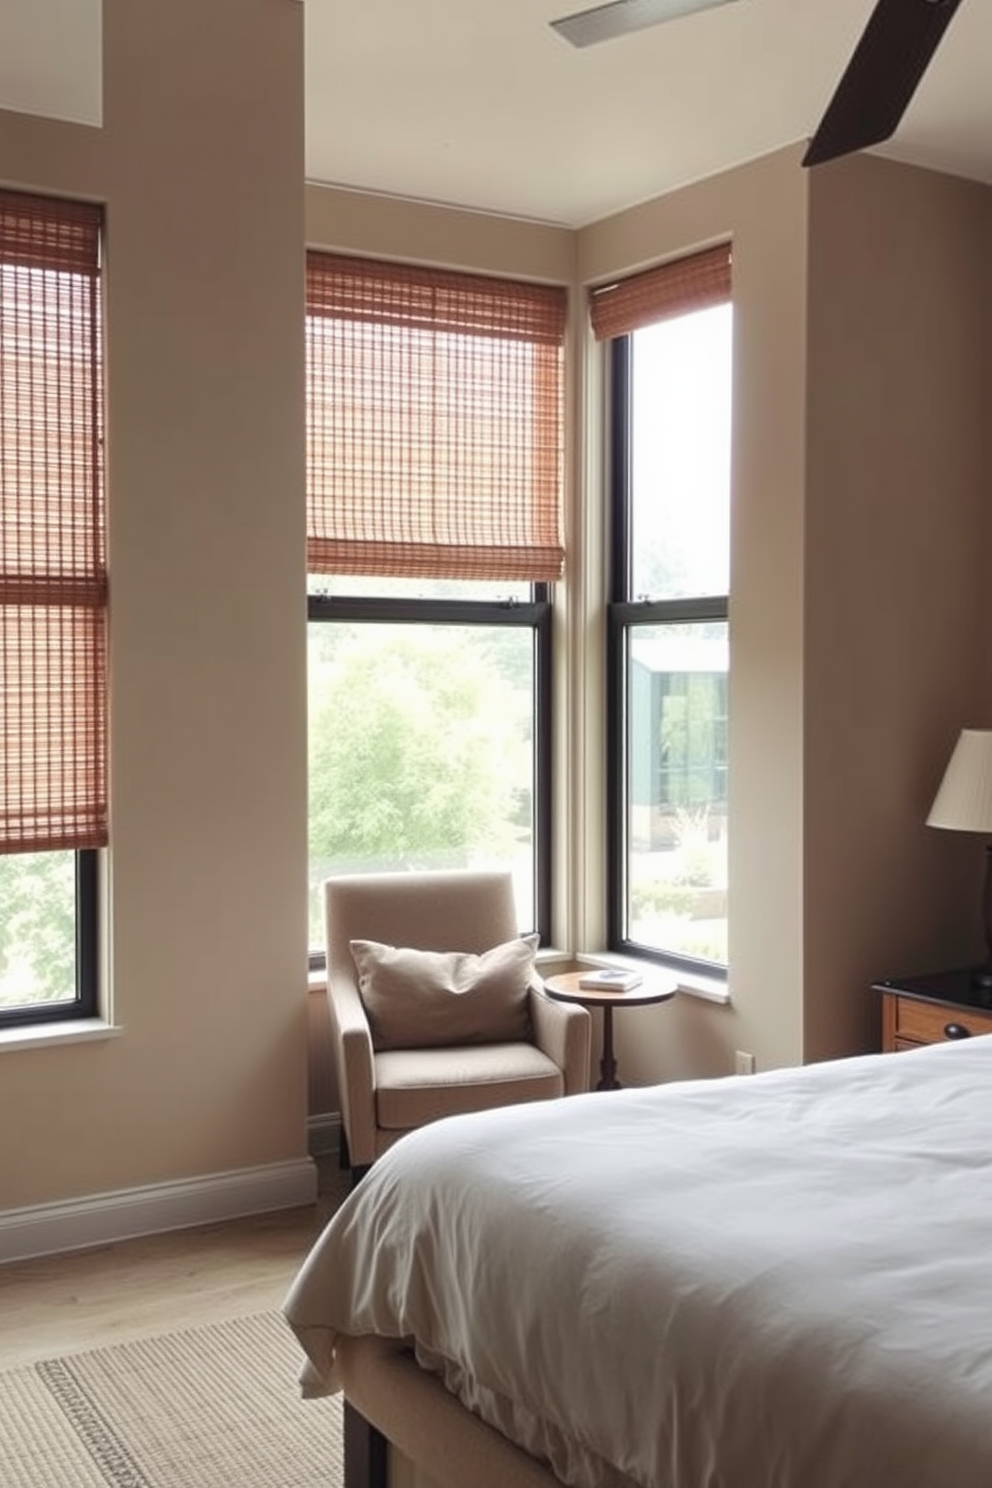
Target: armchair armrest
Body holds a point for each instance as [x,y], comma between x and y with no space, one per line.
[563,1032]
[354,1067]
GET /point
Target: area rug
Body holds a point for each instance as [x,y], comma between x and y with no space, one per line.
[211,1407]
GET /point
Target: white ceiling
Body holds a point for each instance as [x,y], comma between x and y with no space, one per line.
[479,103]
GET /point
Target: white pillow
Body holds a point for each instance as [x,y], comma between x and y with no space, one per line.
[427,999]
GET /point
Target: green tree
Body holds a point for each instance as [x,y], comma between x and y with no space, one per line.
[37,927]
[417,744]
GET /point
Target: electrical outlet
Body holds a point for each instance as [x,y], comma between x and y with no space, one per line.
[743,1062]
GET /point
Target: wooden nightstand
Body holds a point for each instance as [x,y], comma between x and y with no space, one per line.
[933,1008]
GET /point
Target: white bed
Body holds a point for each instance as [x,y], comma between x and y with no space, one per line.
[782,1281]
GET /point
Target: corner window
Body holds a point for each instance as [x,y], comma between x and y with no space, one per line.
[668,633]
[53,593]
[435,453]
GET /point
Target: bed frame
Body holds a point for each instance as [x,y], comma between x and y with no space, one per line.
[391,1403]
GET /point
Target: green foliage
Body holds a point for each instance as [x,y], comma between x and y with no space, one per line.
[655,897]
[690,723]
[416,742]
[707,945]
[37,927]
[663,912]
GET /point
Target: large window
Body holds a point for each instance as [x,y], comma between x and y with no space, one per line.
[434,407]
[669,335]
[53,590]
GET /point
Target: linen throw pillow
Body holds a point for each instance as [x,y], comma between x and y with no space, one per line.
[427,999]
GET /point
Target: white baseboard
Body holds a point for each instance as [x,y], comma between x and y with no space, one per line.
[47,1229]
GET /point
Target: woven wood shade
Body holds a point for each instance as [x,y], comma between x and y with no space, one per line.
[693,283]
[53,579]
[434,422]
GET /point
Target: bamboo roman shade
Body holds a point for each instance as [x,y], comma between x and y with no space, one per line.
[53,580]
[676,288]
[434,423]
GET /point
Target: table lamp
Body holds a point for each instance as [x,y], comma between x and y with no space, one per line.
[963,803]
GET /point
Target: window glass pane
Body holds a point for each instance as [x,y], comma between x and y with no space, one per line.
[677,789]
[37,929]
[421,752]
[680,456]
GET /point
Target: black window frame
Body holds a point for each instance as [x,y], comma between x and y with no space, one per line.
[534,614]
[85,1001]
[623,612]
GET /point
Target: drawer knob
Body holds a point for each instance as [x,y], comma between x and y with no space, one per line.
[956,1031]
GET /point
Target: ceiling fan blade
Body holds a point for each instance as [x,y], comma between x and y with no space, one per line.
[620,17]
[890,59]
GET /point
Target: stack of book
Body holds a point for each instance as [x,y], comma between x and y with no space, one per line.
[610,979]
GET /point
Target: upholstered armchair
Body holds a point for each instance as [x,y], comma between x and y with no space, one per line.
[462,1028]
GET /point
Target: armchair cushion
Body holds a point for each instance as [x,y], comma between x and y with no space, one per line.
[419,999]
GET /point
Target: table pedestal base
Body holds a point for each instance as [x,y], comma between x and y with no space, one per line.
[608,1065]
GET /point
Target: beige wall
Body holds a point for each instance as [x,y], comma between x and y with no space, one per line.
[200,162]
[859,531]
[897,651]
[419,232]
[762,209]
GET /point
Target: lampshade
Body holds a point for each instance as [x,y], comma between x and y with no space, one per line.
[964,801]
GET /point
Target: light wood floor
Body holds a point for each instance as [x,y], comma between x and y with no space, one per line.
[58,1305]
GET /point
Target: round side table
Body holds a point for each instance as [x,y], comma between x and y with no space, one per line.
[656,987]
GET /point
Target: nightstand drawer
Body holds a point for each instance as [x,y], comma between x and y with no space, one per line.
[928,1023]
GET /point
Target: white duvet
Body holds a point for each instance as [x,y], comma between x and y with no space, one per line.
[782,1281]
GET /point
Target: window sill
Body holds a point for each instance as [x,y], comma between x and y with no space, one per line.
[690,983]
[709,989]
[45,1035]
